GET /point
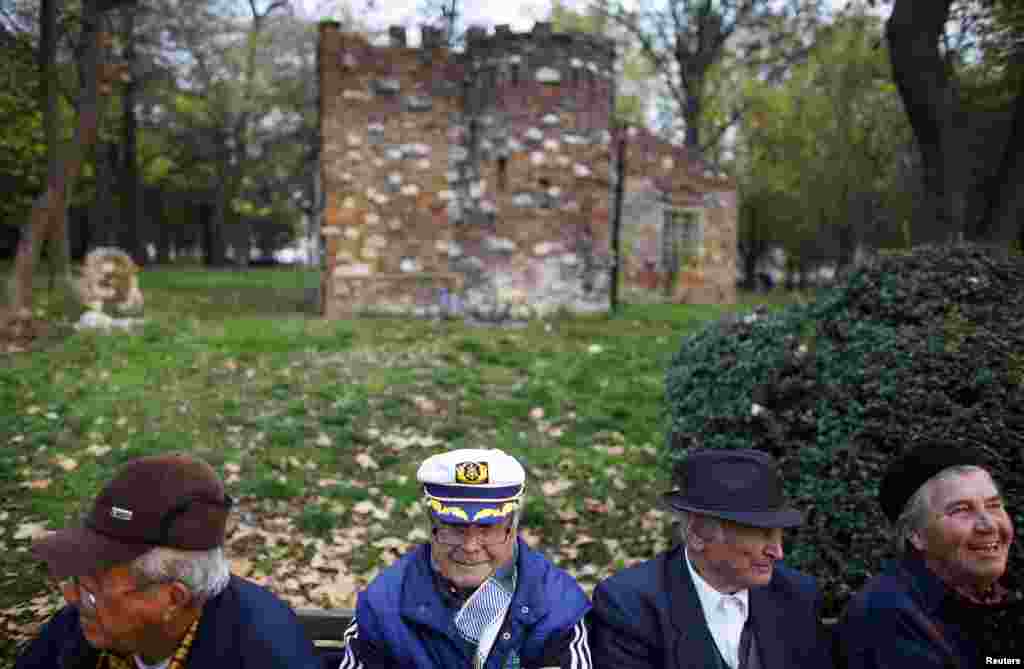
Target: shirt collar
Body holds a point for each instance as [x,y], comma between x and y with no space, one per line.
[711,599]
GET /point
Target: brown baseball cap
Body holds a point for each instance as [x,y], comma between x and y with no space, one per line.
[172,500]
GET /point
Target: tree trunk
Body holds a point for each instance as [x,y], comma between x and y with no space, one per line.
[157,215]
[101,219]
[243,241]
[58,250]
[47,220]
[933,109]
[1003,221]
[692,118]
[620,181]
[130,239]
[213,238]
[48,80]
[748,252]
[216,255]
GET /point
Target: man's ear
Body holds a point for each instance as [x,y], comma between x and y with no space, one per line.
[179,595]
[917,541]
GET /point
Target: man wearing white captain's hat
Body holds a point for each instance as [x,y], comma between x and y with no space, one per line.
[476,596]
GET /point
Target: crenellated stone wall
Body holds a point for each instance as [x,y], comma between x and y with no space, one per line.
[476,182]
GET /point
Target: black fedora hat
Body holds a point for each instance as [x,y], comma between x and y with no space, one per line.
[740,485]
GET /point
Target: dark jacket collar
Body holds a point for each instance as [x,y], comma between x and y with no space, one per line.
[928,589]
[768,616]
[695,646]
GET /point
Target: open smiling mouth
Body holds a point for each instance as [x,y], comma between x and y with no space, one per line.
[990,548]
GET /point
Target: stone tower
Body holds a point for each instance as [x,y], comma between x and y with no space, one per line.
[474,181]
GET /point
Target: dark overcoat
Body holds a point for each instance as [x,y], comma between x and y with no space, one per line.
[244,627]
[906,617]
[649,617]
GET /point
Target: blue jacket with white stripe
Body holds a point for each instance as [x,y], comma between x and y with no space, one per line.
[403,622]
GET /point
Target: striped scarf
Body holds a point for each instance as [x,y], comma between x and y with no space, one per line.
[480,618]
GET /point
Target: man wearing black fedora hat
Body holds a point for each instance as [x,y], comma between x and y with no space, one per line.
[720,599]
[948,600]
[148,586]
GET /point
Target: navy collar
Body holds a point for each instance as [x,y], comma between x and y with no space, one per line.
[930,589]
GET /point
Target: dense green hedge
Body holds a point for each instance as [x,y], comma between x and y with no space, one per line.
[920,345]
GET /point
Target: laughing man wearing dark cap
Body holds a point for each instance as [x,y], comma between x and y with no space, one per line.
[148,586]
[942,604]
[721,599]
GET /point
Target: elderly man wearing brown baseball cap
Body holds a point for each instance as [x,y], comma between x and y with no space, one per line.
[148,586]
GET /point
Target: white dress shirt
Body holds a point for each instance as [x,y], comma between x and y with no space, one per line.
[725,615]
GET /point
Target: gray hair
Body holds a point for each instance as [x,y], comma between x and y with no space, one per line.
[918,508]
[205,573]
[698,525]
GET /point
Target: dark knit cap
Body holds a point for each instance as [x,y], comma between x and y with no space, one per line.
[909,472]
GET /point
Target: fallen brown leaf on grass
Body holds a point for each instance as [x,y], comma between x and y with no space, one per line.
[556,487]
[568,515]
[336,592]
[424,404]
[30,531]
[98,450]
[367,507]
[365,461]
[652,519]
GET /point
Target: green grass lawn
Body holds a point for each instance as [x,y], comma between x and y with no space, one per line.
[318,427]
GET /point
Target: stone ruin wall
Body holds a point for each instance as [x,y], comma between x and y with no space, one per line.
[686,181]
[475,181]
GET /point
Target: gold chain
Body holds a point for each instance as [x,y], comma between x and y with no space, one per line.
[109,660]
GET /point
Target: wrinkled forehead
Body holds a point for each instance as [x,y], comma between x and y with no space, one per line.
[972,486]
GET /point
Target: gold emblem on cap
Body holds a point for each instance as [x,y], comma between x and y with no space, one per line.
[471,472]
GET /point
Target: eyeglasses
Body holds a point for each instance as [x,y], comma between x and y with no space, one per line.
[88,601]
[486,535]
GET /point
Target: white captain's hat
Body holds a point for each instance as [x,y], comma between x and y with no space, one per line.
[472,485]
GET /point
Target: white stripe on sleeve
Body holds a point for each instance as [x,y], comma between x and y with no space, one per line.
[580,648]
[350,661]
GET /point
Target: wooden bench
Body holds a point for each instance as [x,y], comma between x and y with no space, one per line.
[326,627]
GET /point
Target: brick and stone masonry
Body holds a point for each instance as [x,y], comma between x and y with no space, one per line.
[480,181]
